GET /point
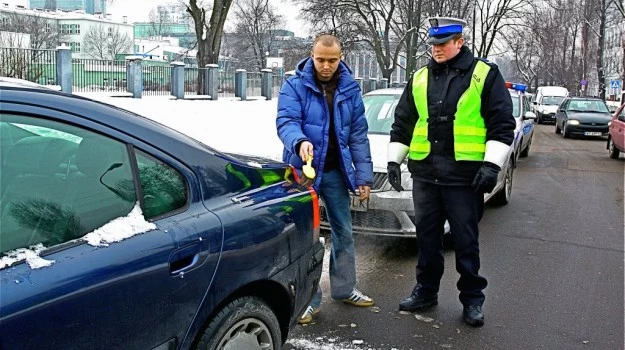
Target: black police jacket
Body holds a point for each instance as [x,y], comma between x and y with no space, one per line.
[446,83]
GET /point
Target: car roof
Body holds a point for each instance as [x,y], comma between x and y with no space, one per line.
[585,98]
[387,91]
[14,82]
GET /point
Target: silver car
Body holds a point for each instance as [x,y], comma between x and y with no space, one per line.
[391,213]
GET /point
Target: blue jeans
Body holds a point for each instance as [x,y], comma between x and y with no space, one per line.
[336,199]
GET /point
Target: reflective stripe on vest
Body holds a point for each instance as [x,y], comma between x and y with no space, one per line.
[469,127]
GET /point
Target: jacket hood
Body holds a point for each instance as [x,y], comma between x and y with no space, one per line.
[305,70]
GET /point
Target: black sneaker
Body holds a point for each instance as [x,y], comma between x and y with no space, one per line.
[473,315]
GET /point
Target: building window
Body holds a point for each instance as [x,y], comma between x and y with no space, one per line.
[110,31]
[78,29]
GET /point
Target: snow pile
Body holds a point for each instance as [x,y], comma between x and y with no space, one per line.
[119,229]
[31,255]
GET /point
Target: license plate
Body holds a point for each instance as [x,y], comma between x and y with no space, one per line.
[357,205]
[592,133]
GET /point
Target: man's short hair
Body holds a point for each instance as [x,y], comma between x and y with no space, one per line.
[327,40]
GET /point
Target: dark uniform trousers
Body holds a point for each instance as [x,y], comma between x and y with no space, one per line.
[463,208]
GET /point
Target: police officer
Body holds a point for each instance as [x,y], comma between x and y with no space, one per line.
[454,122]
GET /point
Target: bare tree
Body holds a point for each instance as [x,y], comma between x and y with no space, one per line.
[494,16]
[106,42]
[43,32]
[159,23]
[256,22]
[209,31]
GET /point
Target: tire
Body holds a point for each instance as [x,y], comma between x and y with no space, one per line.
[564,133]
[612,150]
[557,128]
[245,323]
[526,151]
[538,119]
[502,197]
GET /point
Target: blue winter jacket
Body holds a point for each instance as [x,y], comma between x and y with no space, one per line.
[303,115]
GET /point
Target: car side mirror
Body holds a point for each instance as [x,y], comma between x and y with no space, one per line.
[535,103]
[529,116]
[560,110]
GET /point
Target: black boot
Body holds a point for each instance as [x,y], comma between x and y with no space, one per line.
[419,299]
[473,315]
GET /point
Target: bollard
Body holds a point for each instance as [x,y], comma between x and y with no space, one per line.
[240,84]
[177,80]
[361,84]
[383,83]
[213,81]
[266,83]
[373,84]
[135,76]
[64,75]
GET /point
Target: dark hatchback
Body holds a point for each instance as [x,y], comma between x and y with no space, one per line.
[119,233]
[582,116]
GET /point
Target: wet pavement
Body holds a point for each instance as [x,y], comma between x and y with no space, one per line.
[553,258]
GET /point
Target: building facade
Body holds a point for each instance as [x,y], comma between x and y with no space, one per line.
[88,6]
[613,54]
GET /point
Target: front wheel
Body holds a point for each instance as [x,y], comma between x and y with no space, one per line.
[557,127]
[612,150]
[245,323]
[526,151]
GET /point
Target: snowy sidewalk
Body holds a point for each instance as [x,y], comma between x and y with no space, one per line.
[228,125]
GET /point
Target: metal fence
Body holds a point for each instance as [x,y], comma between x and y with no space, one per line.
[91,75]
[156,80]
[191,80]
[254,84]
[226,84]
[276,84]
[38,66]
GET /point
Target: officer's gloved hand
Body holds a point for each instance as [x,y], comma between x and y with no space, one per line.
[394,176]
[486,178]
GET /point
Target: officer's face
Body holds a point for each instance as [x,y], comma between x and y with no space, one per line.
[446,51]
[326,60]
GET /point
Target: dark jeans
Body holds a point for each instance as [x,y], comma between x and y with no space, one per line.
[463,208]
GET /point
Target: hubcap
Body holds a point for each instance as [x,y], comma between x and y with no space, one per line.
[247,334]
[509,181]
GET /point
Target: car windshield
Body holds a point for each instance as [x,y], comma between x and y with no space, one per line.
[380,112]
[516,103]
[552,100]
[588,106]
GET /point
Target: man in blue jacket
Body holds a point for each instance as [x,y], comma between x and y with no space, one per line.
[321,115]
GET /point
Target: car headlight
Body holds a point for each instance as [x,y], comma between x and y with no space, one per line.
[406,180]
[609,123]
[573,122]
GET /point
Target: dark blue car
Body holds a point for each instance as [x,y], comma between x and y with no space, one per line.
[119,233]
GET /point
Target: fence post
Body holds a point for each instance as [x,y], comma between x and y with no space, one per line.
[177,80]
[64,75]
[213,80]
[360,83]
[373,84]
[129,79]
[383,83]
[135,76]
[240,84]
[266,83]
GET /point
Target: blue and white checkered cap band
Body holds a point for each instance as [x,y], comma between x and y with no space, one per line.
[446,30]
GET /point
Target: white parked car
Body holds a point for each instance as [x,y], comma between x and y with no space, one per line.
[391,213]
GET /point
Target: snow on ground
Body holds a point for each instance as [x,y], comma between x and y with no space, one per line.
[228,125]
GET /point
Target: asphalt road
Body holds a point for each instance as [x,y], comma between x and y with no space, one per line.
[553,258]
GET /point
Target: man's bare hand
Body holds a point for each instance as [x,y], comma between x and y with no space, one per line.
[364,192]
[305,150]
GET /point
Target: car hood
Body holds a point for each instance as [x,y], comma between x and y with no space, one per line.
[584,117]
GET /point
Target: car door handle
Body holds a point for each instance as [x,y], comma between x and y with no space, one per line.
[184,259]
